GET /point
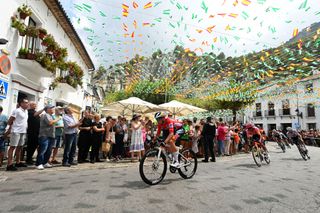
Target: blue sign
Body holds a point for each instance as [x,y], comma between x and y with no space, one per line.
[3,89]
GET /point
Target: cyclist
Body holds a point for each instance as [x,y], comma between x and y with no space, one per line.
[168,127]
[295,137]
[276,136]
[254,133]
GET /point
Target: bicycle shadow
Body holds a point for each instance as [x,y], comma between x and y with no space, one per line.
[293,159]
[246,165]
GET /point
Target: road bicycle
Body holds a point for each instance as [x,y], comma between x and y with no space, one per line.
[280,143]
[153,165]
[302,149]
[258,153]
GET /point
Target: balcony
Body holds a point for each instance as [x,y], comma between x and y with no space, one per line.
[257,114]
[270,113]
[32,67]
[285,112]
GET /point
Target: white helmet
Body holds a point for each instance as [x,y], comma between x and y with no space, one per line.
[160,115]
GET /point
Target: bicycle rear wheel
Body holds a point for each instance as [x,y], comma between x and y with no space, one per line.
[256,154]
[153,169]
[189,164]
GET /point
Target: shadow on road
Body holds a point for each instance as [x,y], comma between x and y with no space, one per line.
[246,165]
[294,159]
[138,185]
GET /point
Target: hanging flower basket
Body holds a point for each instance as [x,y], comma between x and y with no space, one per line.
[24,12]
[42,33]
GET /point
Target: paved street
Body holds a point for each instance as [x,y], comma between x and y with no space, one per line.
[233,184]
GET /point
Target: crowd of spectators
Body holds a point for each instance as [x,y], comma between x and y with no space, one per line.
[94,139]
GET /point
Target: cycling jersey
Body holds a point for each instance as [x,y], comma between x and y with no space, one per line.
[254,133]
[168,126]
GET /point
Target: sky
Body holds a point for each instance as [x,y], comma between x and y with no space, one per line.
[114,31]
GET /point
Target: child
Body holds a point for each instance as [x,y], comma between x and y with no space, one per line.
[196,136]
[236,139]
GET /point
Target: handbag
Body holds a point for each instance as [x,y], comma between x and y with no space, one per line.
[105,147]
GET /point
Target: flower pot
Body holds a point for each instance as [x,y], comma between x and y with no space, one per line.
[23,15]
[50,49]
[31,56]
[43,43]
[23,56]
[22,33]
[42,35]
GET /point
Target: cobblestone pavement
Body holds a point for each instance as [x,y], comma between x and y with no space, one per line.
[232,184]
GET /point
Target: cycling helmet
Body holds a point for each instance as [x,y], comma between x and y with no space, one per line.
[289,129]
[160,115]
[249,125]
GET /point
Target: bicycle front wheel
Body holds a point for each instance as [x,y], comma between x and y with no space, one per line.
[189,164]
[153,168]
[256,154]
[303,152]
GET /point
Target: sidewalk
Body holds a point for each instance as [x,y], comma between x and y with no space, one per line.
[119,164]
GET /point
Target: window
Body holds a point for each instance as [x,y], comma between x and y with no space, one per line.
[310,110]
[312,126]
[258,109]
[271,109]
[285,107]
[309,88]
[31,43]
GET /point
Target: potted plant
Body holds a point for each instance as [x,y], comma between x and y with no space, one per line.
[42,33]
[23,53]
[32,31]
[24,11]
[31,56]
[48,40]
[21,27]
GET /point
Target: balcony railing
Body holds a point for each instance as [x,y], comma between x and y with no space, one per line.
[285,112]
[257,114]
[270,113]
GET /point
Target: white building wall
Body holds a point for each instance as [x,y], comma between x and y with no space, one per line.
[300,99]
[45,19]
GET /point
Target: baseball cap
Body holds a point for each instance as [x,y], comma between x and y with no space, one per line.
[49,106]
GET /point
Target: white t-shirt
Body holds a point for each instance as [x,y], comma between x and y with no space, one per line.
[20,123]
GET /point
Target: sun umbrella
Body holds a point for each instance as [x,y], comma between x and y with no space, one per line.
[131,106]
[180,109]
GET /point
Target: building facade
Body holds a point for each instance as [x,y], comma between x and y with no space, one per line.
[297,106]
[28,77]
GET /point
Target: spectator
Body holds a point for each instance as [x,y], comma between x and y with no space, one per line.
[97,136]
[236,140]
[227,143]
[185,136]
[46,137]
[3,125]
[195,138]
[110,135]
[125,139]
[221,137]
[137,145]
[119,136]
[84,140]
[70,132]
[33,131]
[58,135]
[18,123]
[209,132]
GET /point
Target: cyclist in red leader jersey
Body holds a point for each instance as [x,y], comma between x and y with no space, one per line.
[254,133]
[168,127]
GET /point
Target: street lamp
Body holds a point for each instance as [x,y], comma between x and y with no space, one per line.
[299,114]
